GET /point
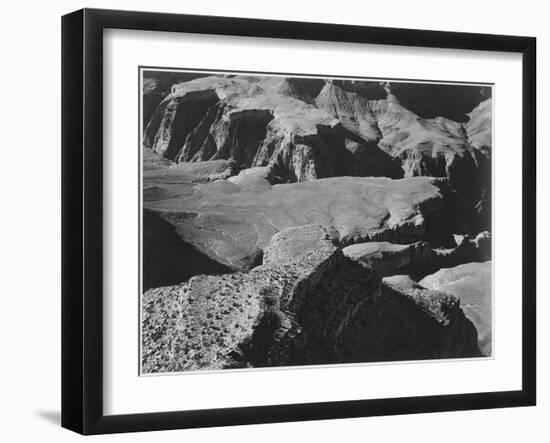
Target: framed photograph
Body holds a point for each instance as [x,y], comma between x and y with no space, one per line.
[270,221]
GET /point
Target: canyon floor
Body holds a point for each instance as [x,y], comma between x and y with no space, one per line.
[302,221]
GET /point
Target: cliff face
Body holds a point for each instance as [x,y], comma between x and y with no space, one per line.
[437,147]
[479,126]
[306,304]
[294,221]
[270,121]
[260,122]
[427,100]
[157,85]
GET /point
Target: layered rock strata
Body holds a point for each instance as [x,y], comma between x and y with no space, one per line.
[260,122]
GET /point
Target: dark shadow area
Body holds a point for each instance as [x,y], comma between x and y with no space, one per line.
[366,159]
[189,111]
[392,326]
[440,100]
[167,259]
[157,85]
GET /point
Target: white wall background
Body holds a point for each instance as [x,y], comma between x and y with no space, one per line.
[30,222]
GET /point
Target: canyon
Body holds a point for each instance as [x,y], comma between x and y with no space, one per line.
[302,221]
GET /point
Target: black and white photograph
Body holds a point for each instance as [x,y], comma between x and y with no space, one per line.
[290,220]
[233,222]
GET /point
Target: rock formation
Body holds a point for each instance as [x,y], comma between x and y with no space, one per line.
[167,259]
[157,85]
[437,147]
[419,259]
[259,122]
[307,304]
[471,283]
[298,221]
[479,126]
[268,121]
[232,221]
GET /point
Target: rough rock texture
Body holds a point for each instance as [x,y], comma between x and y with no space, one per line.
[349,128]
[232,221]
[437,147]
[479,126]
[306,305]
[415,323]
[419,259]
[260,121]
[353,110]
[157,85]
[274,206]
[190,173]
[471,283]
[431,100]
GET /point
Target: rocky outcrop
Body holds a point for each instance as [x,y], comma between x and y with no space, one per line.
[232,221]
[436,147]
[157,85]
[304,305]
[295,221]
[415,324]
[345,130]
[427,100]
[431,100]
[174,120]
[444,308]
[471,283]
[260,121]
[479,126]
[419,259]
[351,109]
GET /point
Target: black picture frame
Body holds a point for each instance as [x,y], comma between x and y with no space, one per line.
[82,218]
